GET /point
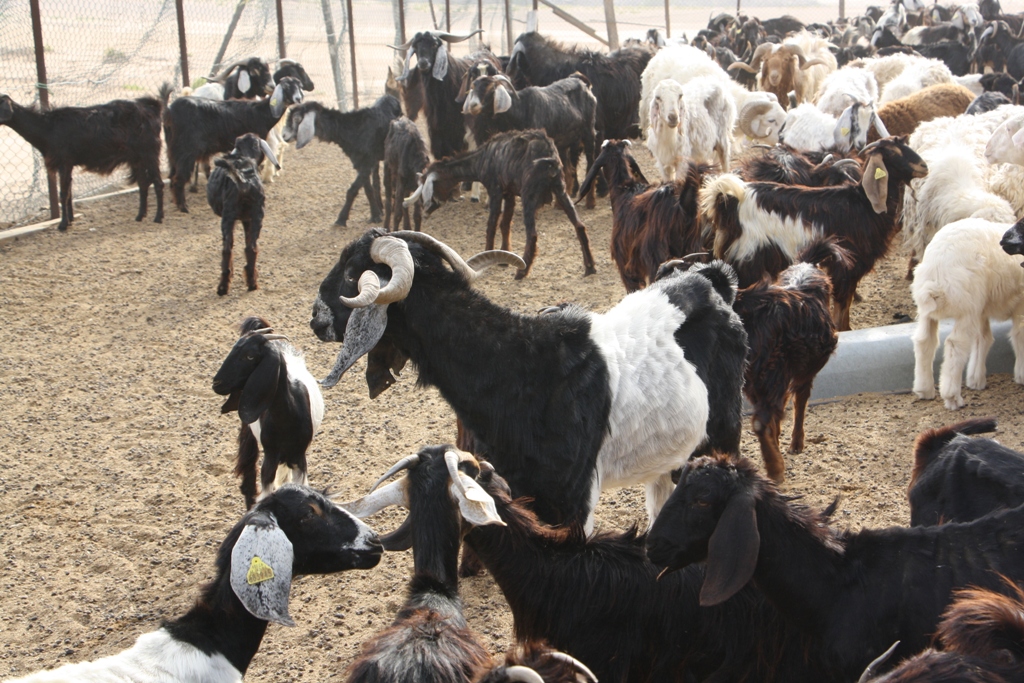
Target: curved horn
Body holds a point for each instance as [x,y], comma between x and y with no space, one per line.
[522,674]
[750,112]
[369,288]
[414,197]
[284,61]
[503,77]
[272,337]
[495,257]
[742,65]
[220,78]
[452,38]
[394,493]
[393,253]
[408,462]
[576,664]
[846,162]
[869,672]
[443,250]
[451,460]
[404,46]
[762,50]
[262,330]
[270,153]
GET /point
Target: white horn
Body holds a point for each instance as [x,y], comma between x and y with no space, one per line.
[393,494]
[577,664]
[522,674]
[394,253]
[369,288]
[407,462]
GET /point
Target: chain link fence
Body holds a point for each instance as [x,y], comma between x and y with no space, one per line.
[99,50]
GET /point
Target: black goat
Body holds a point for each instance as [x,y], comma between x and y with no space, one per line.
[985,102]
[360,134]
[856,593]
[615,78]
[981,637]
[959,479]
[248,80]
[196,128]
[785,165]
[405,157]
[235,193]
[565,110]
[440,76]
[293,532]
[953,53]
[1007,46]
[278,401]
[289,67]
[549,414]
[99,138]
[521,164]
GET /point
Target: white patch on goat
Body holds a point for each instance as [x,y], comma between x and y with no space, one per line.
[155,657]
[298,374]
[761,227]
[659,408]
[255,428]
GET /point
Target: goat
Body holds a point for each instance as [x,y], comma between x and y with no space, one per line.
[639,626]
[691,122]
[295,531]
[520,164]
[235,193]
[360,134]
[582,421]
[535,662]
[842,88]
[758,227]
[99,138]
[782,164]
[615,78]
[650,225]
[1009,46]
[903,116]
[981,636]
[791,336]
[808,129]
[285,67]
[440,77]
[405,157]
[196,128]
[965,275]
[279,403]
[960,479]
[800,64]
[565,110]
[855,593]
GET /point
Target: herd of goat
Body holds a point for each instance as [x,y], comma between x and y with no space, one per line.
[789,153]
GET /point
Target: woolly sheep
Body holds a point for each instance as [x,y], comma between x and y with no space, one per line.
[914,77]
[886,68]
[903,116]
[844,87]
[691,122]
[965,275]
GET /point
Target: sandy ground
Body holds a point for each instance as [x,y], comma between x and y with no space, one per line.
[117,486]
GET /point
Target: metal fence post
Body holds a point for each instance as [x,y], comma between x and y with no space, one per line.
[332,49]
[182,47]
[227,36]
[352,53]
[668,22]
[508,23]
[44,95]
[280,30]
[613,29]
[448,15]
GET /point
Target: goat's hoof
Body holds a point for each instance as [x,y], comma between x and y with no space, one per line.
[475,200]
[138,219]
[924,394]
[222,290]
[193,189]
[591,270]
[158,219]
[376,219]
[341,224]
[63,227]
[520,274]
[253,287]
[795,449]
[954,402]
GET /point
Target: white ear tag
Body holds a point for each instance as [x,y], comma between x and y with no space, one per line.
[477,507]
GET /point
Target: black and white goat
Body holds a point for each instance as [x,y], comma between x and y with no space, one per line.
[405,157]
[196,128]
[565,110]
[360,134]
[99,138]
[855,593]
[759,227]
[280,405]
[246,79]
[293,532]
[579,402]
[235,193]
[521,164]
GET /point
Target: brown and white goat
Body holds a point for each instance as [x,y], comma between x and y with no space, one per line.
[650,225]
[800,65]
[519,163]
[760,227]
[405,157]
[791,336]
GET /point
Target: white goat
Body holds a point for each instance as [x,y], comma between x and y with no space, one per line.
[965,275]
[808,129]
[691,122]
[844,87]
[915,77]
[886,68]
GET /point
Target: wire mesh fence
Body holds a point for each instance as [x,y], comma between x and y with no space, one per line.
[99,50]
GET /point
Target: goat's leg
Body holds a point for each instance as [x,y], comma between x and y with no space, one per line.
[926,340]
[388,197]
[141,174]
[657,493]
[581,230]
[801,394]
[530,207]
[588,151]
[252,236]
[977,364]
[66,208]
[841,311]
[350,197]
[955,353]
[766,423]
[494,207]
[158,190]
[227,231]
[245,464]
[506,221]
[373,194]
[269,472]
[1017,342]
[417,215]
[183,171]
[911,264]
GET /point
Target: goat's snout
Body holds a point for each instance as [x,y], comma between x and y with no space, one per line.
[424,64]
[322,322]
[673,120]
[774,77]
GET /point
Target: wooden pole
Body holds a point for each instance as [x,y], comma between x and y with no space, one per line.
[401,20]
[448,15]
[182,47]
[565,16]
[280,30]
[613,29]
[227,36]
[508,24]
[44,97]
[480,20]
[352,54]
[668,22]
[332,49]
[842,9]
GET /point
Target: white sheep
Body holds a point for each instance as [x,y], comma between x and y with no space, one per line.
[886,68]
[844,87]
[691,122]
[965,275]
[808,129]
[915,77]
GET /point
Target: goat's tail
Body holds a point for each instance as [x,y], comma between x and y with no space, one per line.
[719,200]
[825,252]
[984,623]
[931,441]
[251,324]
[165,93]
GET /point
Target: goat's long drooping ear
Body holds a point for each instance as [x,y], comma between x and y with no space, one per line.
[365,327]
[654,115]
[261,569]
[476,506]
[732,551]
[277,103]
[502,100]
[876,182]
[880,128]
[307,129]
[258,392]
[271,157]
[441,62]
[244,82]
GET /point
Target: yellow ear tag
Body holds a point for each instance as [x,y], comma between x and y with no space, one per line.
[259,571]
[844,131]
[879,174]
[273,102]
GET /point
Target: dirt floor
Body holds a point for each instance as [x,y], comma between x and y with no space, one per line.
[118,484]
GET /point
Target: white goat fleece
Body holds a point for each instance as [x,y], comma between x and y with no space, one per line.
[808,129]
[659,408]
[914,78]
[706,115]
[156,657]
[844,87]
[886,68]
[965,275]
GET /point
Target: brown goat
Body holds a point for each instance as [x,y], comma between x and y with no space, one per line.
[791,336]
[903,116]
[782,70]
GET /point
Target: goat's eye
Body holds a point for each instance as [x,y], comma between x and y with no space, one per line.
[701,503]
[250,357]
[316,510]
